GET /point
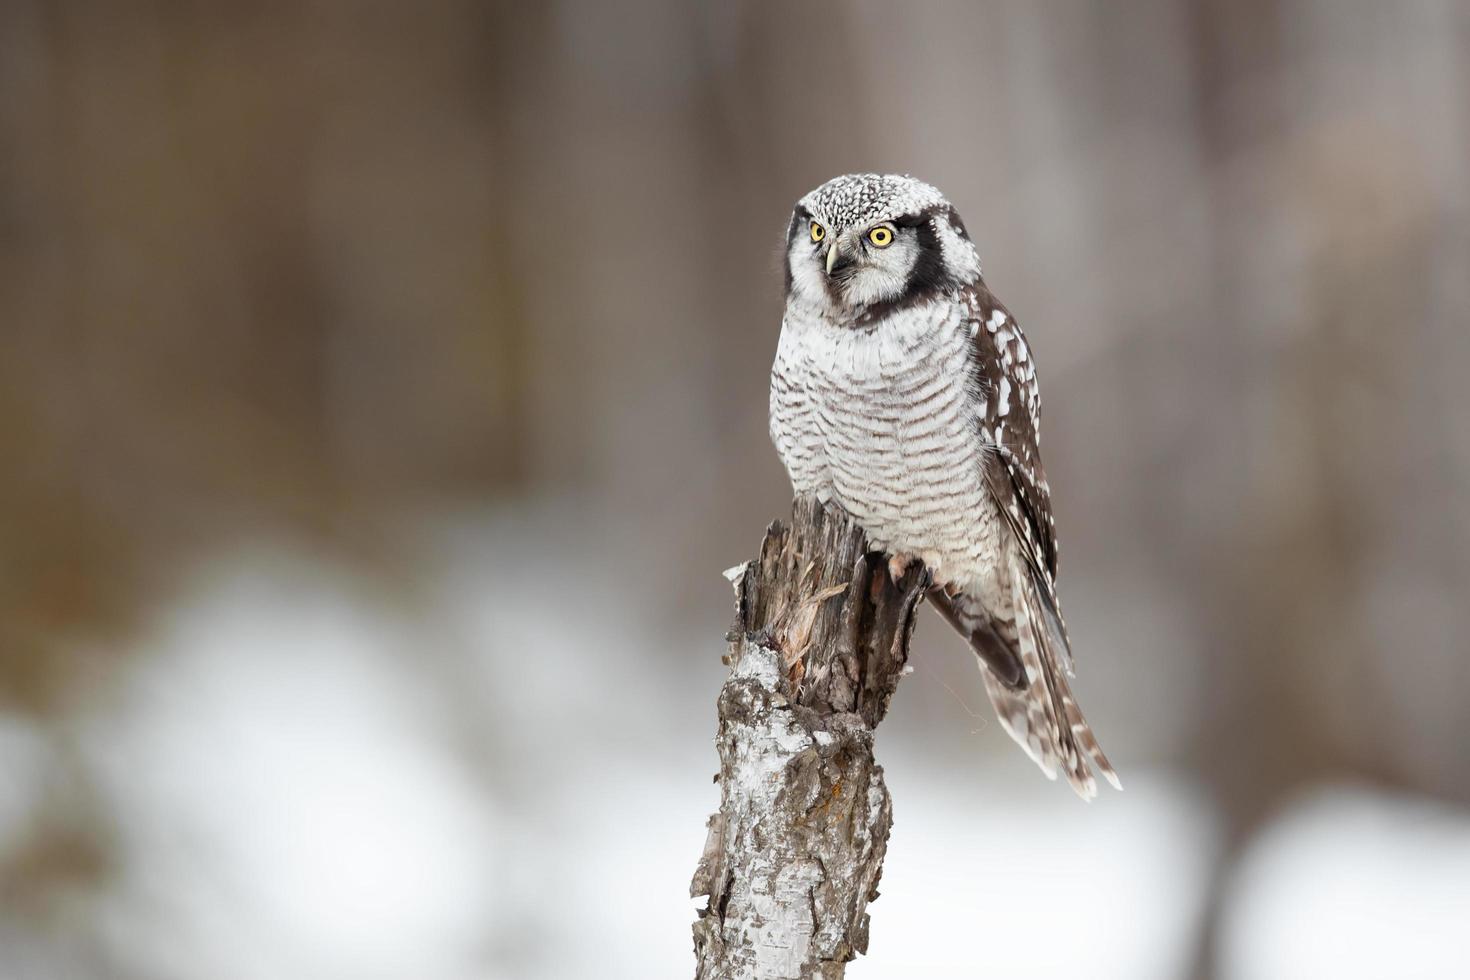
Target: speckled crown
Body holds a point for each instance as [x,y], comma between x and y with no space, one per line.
[854,199]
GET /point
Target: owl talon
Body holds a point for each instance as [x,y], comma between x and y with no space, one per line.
[898,565]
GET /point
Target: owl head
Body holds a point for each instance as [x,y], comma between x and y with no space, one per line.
[865,243]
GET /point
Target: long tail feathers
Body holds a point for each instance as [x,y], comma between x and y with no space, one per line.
[1041,714]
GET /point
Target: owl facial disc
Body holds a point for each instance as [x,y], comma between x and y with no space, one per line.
[864,243]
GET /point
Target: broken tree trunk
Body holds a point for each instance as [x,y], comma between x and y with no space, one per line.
[795,852]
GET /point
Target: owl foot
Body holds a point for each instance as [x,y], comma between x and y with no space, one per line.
[899,564]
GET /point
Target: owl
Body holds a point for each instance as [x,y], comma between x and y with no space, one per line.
[905,392]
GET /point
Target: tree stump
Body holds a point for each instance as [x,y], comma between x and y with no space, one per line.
[794,854]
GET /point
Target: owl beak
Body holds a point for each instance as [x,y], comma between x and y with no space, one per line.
[838,259]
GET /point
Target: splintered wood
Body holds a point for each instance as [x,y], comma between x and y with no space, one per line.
[794,855]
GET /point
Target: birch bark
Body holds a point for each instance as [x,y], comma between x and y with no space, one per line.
[795,853]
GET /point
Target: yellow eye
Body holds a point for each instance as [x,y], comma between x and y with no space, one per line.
[882,237]
[818,232]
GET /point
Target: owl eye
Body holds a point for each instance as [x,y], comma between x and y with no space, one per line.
[818,232]
[882,237]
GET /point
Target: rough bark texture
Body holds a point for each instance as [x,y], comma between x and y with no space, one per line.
[795,852]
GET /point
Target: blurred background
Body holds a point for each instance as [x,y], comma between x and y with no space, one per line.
[383,390]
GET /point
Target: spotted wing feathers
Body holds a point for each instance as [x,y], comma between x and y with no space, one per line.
[1040,712]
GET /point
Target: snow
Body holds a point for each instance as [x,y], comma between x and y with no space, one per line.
[290,791]
[283,802]
[1352,882]
[987,876]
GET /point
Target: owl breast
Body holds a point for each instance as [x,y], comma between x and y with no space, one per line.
[880,421]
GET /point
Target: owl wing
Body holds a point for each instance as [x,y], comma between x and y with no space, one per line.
[1004,378]
[1040,713]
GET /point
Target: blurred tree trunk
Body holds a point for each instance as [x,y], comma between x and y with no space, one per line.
[796,850]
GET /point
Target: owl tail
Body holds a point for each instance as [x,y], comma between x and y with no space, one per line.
[1036,707]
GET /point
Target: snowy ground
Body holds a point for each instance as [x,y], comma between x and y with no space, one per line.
[303,778]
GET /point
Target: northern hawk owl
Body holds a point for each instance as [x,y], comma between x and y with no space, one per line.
[906,393]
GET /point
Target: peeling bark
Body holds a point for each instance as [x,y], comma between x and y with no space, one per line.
[794,855]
